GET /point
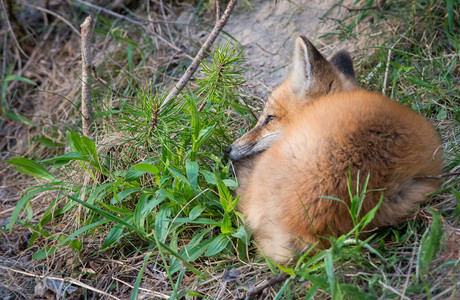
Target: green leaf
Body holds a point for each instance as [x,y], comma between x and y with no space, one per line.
[49,143]
[217,245]
[179,175]
[204,135]
[139,278]
[202,221]
[140,169]
[24,201]
[162,222]
[208,176]
[285,269]
[119,197]
[75,143]
[329,266]
[226,226]
[100,192]
[230,183]
[108,215]
[196,212]
[66,158]
[19,78]
[113,236]
[82,230]
[76,246]
[195,248]
[241,234]
[225,196]
[17,117]
[430,243]
[442,114]
[29,167]
[175,254]
[191,168]
[194,118]
[139,212]
[117,209]
[44,252]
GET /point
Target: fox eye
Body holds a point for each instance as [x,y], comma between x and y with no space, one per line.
[268,119]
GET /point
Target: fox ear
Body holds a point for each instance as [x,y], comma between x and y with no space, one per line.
[343,62]
[308,67]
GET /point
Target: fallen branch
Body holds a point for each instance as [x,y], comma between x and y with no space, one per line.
[85,76]
[199,57]
[259,289]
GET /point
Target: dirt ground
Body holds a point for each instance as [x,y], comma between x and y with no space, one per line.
[268,30]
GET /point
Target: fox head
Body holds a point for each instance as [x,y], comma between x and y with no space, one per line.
[312,76]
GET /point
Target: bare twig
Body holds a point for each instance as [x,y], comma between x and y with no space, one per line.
[11,29]
[199,57]
[164,18]
[257,290]
[140,23]
[51,13]
[387,68]
[5,50]
[85,76]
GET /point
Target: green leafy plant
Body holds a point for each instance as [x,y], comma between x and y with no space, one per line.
[177,201]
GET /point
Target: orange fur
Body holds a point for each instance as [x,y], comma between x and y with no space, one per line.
[320,141]
[361,130]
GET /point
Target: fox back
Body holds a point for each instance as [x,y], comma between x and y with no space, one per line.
[318,131]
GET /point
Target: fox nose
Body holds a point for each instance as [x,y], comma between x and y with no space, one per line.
[228,149]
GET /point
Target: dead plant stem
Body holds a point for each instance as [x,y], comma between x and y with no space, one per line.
[68,279]
[5,50]
[142,24]
[42,9]
[155,293]
[199,57]
[85,76]
[164,18]
[10,28]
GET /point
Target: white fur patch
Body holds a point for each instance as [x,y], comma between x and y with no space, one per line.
[266,141]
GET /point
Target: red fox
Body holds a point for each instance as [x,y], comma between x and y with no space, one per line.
[316,128]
